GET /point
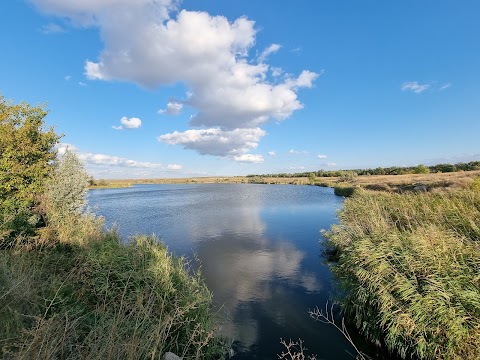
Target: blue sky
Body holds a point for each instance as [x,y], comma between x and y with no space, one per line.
[194,88]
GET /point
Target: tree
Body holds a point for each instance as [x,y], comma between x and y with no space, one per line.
[421,169]
[64,204]
[66,190]
[27,152]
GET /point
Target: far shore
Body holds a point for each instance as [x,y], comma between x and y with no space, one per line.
[373,182]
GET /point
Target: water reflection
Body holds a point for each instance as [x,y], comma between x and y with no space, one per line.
[258,248]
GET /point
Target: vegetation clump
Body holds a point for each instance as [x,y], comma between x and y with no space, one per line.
[408,266]
[70,289]
[26,155]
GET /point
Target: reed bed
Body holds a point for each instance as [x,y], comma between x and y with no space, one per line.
[408,265]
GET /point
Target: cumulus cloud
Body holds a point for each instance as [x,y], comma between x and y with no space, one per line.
[414,87]
[132,123]
[174,167]
[102,159]
[322,156]
[249,158]
[152,44]
[173,108]
[225,143]
[330,164]
[272,153]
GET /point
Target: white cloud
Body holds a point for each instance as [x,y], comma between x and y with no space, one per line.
[249,158]
[102,159]
[272,153]
[67,78]
[297,152]
[216,141]
[276,71]
[82,83]
[148,44]
[296,168]
[267,52]
[63,147]
[132,123]
[173,108]
[52,28]
[322,156]
[414,87]
[110,166]
[445,86]
[330,164]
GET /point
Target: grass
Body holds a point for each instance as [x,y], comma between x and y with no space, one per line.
[408,268]
[103,300]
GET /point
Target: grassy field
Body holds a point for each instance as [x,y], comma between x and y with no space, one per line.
[408,265]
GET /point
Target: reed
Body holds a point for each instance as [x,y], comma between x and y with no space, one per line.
[103,300]
[408,269]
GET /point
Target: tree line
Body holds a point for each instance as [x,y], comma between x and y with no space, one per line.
[393,170]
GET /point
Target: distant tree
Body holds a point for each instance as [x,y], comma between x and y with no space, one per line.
[27,152]
[421,169]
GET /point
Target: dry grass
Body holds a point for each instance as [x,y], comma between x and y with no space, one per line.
[103,300]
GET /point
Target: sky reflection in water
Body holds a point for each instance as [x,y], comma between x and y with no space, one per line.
[259,251]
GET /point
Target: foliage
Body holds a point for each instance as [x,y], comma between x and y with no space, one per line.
[66,189]
[64,203]
[26,155]
[343,190]
[408,264]
[421,169]
[103,300]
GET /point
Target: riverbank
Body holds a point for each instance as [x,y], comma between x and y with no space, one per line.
[408,268]
[393,183]
[103,299]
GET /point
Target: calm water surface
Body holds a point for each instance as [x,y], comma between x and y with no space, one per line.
[259,249]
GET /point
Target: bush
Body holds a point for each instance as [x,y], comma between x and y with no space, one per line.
[342,190]
[26,155]
[64,203]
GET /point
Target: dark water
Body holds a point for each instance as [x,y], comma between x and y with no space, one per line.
[259,249]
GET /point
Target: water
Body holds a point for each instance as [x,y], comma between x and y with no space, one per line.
[259,251]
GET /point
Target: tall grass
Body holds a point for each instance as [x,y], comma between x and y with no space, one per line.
[103,300]
[409,269]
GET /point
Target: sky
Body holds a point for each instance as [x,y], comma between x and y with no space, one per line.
[166,88]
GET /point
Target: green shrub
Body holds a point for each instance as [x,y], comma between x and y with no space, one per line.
[342,190]
[26,155]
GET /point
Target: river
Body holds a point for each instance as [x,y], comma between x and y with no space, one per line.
[259,249]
